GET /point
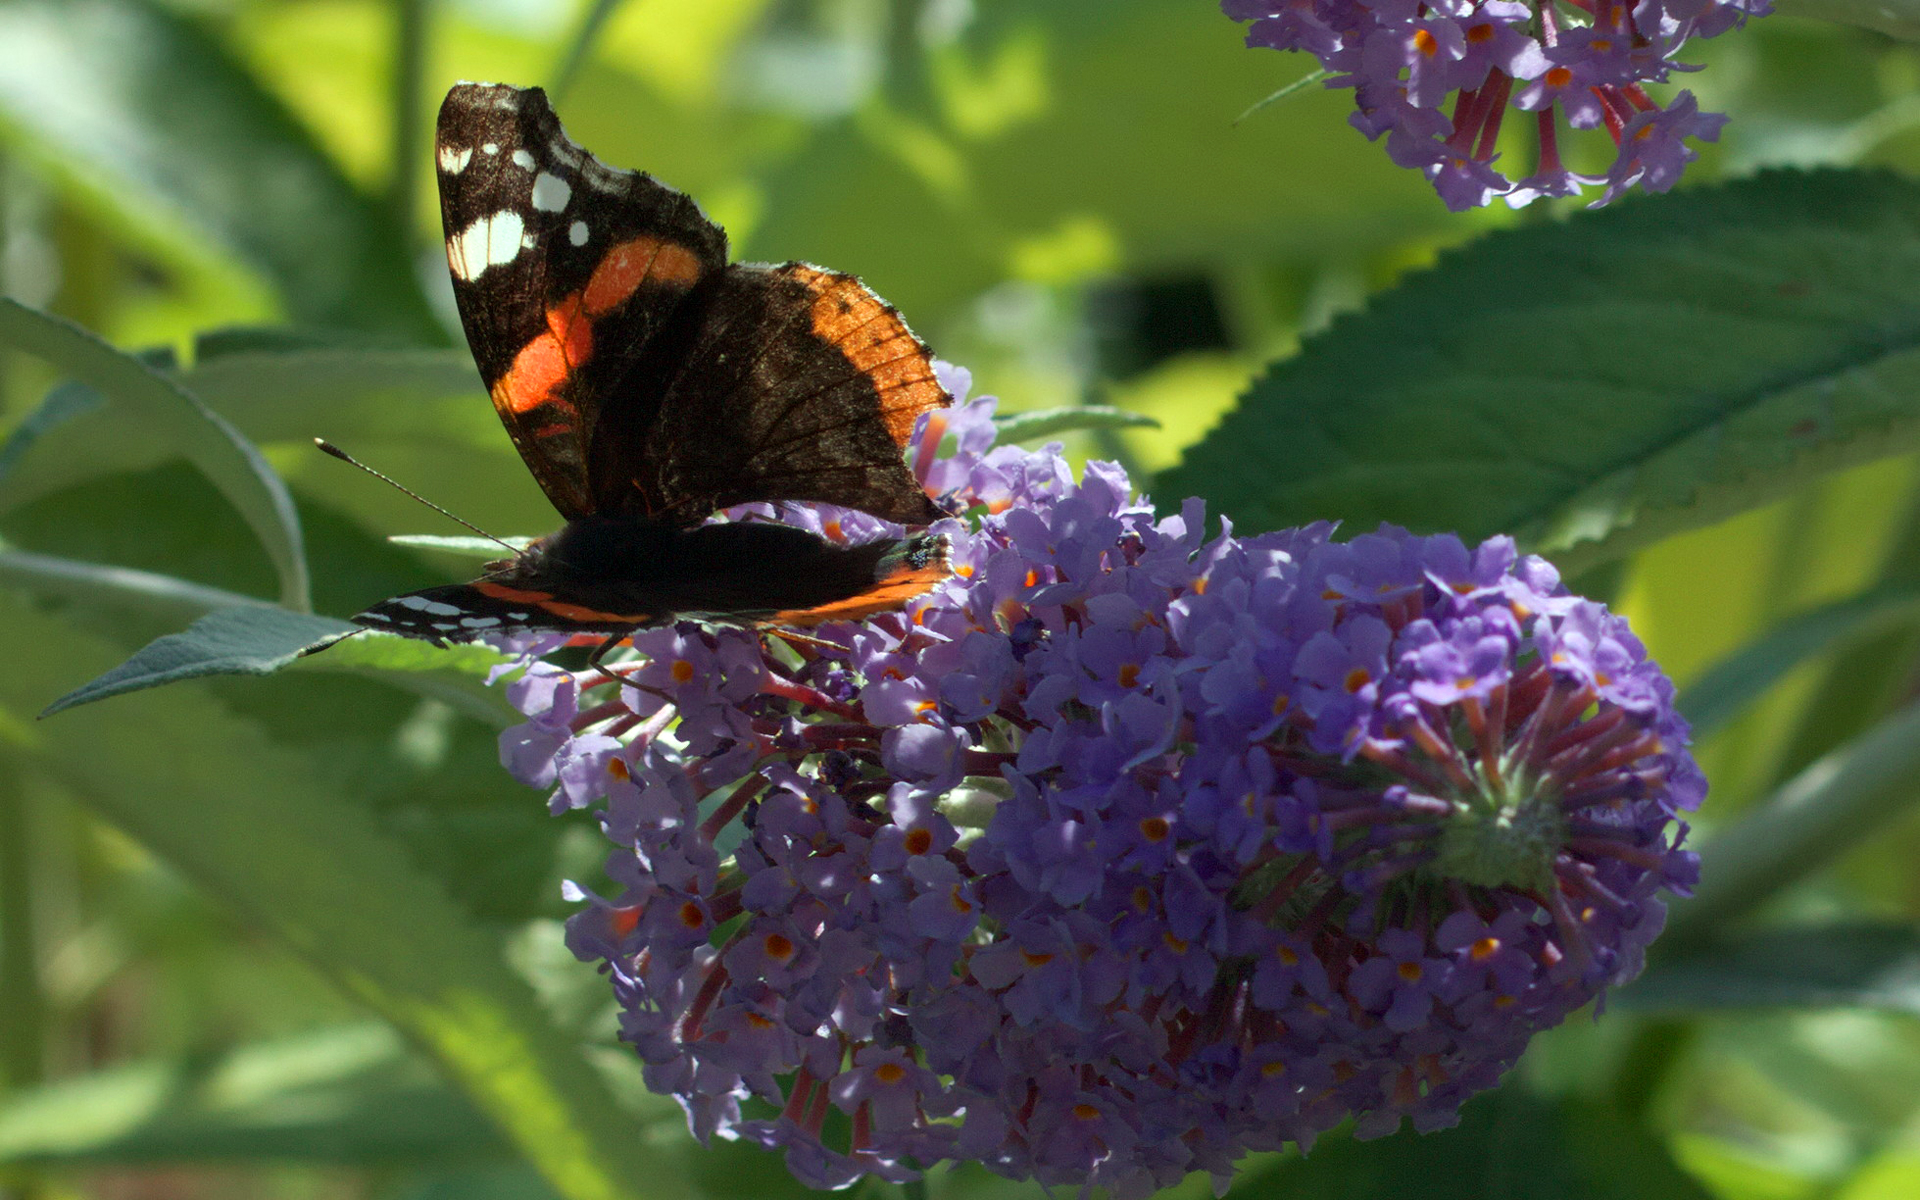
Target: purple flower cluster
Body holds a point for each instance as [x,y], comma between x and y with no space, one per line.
[1586,58]
[1124,852]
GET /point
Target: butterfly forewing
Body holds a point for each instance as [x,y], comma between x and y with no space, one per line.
[564,269]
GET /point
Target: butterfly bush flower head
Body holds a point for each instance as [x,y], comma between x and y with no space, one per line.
[1438,81]
[1125,851]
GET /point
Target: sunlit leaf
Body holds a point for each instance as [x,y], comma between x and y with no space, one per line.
[470,547]
[348,1094]
[1599,384]
[242,817]
[155,122]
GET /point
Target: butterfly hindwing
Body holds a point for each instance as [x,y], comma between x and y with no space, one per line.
[789,383]
[564,270]
[610,576]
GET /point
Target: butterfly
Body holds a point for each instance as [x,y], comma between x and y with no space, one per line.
[649,383]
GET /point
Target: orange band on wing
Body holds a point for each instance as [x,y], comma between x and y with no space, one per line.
[544,363]
[878,344]
[632,263]
[889,595]
[500,591]
[580,612]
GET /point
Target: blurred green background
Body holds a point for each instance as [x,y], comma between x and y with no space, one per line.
[1058,196]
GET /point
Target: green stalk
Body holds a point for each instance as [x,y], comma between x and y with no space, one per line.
[411,19]
[23,1006]
[580,46]
[1834,805]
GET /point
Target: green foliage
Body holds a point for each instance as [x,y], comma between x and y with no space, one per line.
[205,888]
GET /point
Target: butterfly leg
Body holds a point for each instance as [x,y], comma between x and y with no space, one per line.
[600,652]
[797,639]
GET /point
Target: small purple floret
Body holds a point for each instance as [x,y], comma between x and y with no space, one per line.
[1439,79]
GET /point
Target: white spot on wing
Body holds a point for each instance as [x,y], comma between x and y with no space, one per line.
[577,233]
[489,242]
[517,616]
[432,608]
[374,616]
[480,622]
[550,192]
[454,159]
[490,148]
[523,160]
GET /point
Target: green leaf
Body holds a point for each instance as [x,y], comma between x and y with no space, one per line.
[1834,805]
[1727,687]
[1019,427]
[66,402]
[996,157]
[1596,385]
[154,122]
[125,587]
[297,393]
[1896,18]
[209,794]
[166,412]
[1299,85]
[1820,966]
[1510,1144]
[347,1094]
[261,640]
[252,640]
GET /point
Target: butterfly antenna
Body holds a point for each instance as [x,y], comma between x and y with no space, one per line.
[344,457]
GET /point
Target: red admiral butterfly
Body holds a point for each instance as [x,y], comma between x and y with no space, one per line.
[648,383]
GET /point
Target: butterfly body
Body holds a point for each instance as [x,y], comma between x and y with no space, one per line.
[613,575]
[649,383]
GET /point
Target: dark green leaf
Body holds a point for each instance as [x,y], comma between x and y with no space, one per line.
[1026,426]
[1717,696]
[1821,966]
[1510,1145]
[260,640]
[232,641]
[167,413]
[155,122]
[1599,384]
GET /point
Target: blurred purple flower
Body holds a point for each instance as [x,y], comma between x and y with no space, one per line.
[1125,851]
[1588,59]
